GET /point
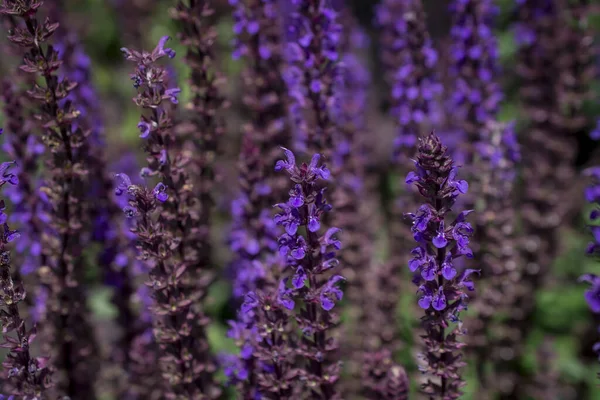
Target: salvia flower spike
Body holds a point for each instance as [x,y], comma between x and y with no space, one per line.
[313,288]
[167,228]
[442,289]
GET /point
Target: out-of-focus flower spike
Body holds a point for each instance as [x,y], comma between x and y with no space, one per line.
[312,56]
[70,338]
[24,376]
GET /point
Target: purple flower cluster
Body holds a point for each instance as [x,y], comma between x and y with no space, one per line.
[442,289]
[499,153]
[409,59]
[313,35]
[476,95]
[203,126]
[311,259]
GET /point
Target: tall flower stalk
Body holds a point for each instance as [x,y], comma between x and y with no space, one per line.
[490,338]
[548,150]
[409,60]
[259,42]
[203,125]
[24,375]
[168,226]
[73,348]
[113,258]
[312,291]
[256,267]
[549,146]
[442,290]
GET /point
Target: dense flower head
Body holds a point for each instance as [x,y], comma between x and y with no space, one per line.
[311,284]
[313,35]
[476,95]
[410,60]
[442,288]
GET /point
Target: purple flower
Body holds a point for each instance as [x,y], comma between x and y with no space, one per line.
[331,293]
[160,193]
[285,295]
[439,240]
[144,128]
[160,49]
[288,164]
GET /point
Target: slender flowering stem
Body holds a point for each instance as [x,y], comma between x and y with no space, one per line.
[442,290]
[549,147]
[73,349]
[258,41]
[175,245]
[351,196]
[311,257]
[25,376]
